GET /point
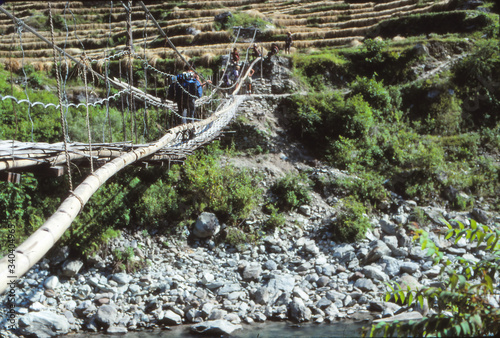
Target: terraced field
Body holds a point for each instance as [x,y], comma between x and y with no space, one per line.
[99,28]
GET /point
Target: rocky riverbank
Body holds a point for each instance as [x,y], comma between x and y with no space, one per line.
[299,273]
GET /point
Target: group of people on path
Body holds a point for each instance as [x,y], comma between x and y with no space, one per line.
[187,87]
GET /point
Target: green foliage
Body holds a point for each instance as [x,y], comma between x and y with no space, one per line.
[476,78]
[276,218]
[373,50]
[351,222]
[238,238]
[242,19]
[368,187]
[291,191]
[229,192]
[19,213]
[384,100]
[317,70]
[461,304]
[126,260]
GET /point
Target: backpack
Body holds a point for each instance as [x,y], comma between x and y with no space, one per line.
[174,92]
[193,87]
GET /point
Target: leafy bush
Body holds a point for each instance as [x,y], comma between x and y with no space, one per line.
[476,78]
[276,218]
[229,192]
[461,305]
[291,191]
[351,222]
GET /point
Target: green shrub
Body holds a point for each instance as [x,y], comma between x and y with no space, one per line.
[292,191]
[461,306]
[276,218]
[126,260]
[351,222]
[227,191]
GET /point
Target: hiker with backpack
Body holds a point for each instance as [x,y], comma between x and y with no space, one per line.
[184,90]
[274,50]
[235,56]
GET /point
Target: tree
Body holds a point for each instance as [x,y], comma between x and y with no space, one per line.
[463,306]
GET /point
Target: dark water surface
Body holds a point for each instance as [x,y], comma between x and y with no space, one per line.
[257,330]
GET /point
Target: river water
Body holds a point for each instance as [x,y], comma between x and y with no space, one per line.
[257,330]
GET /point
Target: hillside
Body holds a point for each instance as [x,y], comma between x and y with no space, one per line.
[381,126]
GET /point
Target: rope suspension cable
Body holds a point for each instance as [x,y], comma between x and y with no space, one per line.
[25,83]
[88,117]
[130,46]
[68,163]
[66,68]
[145,115]
[106,74]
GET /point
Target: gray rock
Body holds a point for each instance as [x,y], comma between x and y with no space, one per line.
[83,291]
[329,270]
[342,250]
[417,253]
[365,284]
[305,209]
[334,295]
[252,272]
[323,303]
[379,249]
[261,295]
[85,308]
[70,305]
[118,330]
[392,265]
[421,50]
[207,309]
[51,283]
[480,215]
[60,255]
[121,278]
[388,227]
[322,281]
[406,281]
[414,315]
[215,327]
[207,225]
[270,265]
[71,268]
[311,247]
[217,314]
[171,318]
[299,312]
[106,316]
[409,267]
[281,282]
[43,324]
[229,288]
[375,272]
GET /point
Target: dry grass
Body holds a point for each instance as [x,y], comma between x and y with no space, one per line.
[43,66]
[153,59]
[212,37]
[206,60]
[12,65]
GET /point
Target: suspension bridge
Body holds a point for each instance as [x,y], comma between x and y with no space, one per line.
[64,48]
[105,159]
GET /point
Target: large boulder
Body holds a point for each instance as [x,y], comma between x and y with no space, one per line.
[207,225]
[71,267]
[299,312]
[106,316]
[215,327]
[43,324]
